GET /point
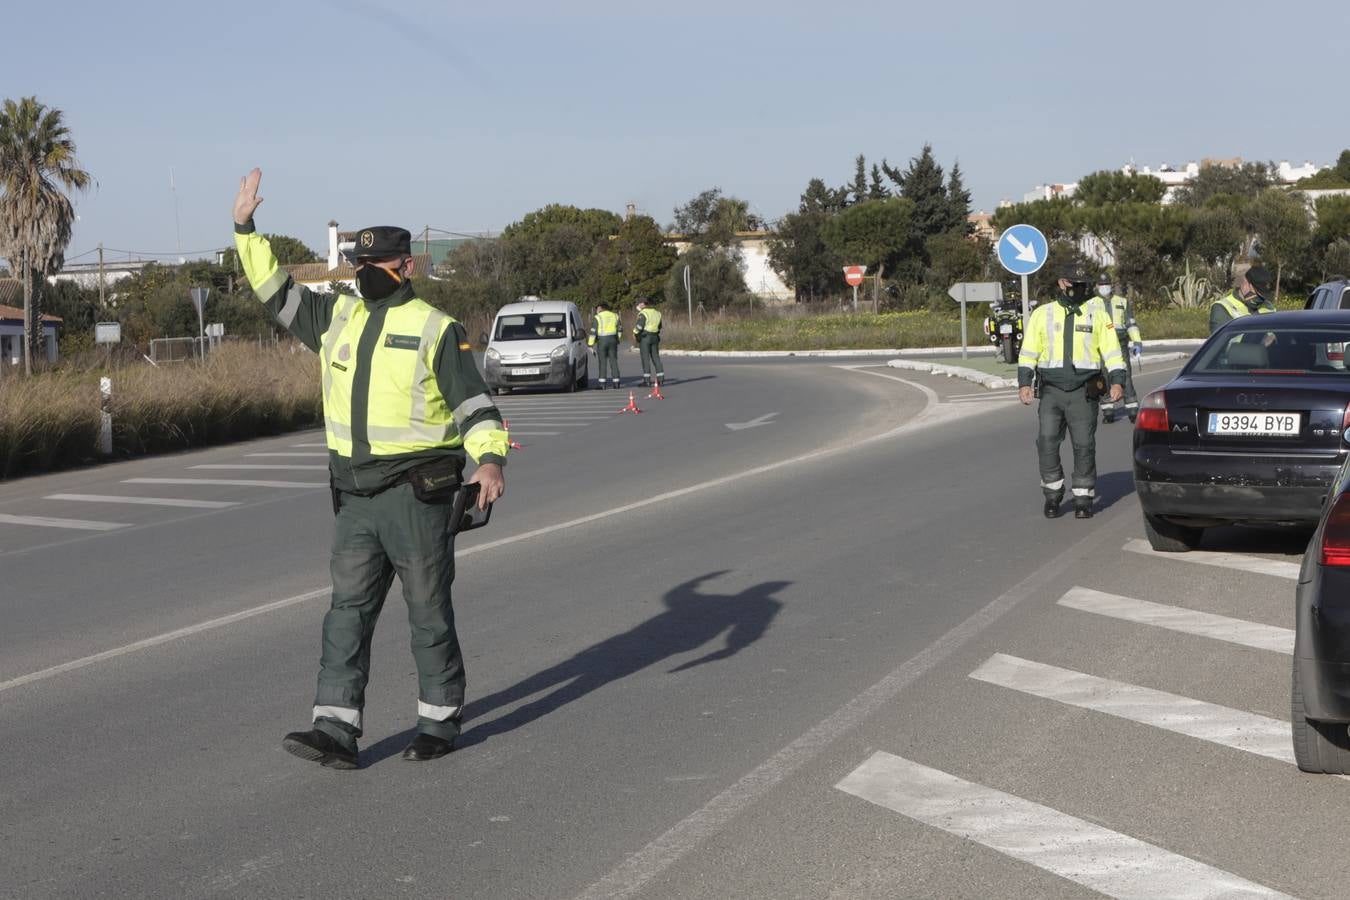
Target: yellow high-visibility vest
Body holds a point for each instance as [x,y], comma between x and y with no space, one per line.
[1095,345]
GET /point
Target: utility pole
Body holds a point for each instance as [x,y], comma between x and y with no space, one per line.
[27,314]
[102,301]
[426,243]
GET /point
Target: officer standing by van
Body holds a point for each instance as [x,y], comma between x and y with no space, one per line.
[1131,345]
[1071,350]
[605,333]
[403,402]
[647,332]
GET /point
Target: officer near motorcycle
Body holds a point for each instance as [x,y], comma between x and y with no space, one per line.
[1248,298]
[1070,354]
[1131,345]
[605,333]
[403,402]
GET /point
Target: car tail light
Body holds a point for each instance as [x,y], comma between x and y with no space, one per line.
[1153,413]
[1336,534]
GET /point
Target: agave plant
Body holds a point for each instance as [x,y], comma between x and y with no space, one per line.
[37,169]
[1189,290]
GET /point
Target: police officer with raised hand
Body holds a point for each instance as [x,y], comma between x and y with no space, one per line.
[403,402]
[1248,298]
[1071,348]
[1131,345]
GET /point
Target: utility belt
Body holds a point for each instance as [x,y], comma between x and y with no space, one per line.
[434,481]
[1094,388]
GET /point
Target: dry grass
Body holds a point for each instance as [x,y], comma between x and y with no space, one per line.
[51,421]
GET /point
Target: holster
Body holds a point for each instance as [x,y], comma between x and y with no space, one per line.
[1095,387]
[436,481]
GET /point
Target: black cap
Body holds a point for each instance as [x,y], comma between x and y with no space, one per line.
[382,242]
[1260,278]
[1076,272]
[1104,278]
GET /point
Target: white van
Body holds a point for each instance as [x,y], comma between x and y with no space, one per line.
[537,343]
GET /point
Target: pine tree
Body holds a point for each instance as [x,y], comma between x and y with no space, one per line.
[859,186]
[958,202]
[876,190]
[923,184]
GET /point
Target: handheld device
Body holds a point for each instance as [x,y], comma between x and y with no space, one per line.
[465,514]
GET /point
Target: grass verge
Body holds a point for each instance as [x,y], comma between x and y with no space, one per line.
[52,420]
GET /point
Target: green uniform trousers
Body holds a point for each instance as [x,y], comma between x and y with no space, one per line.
[650,346]
[1062,410]
[1131,400]
[607,356]
[375,538]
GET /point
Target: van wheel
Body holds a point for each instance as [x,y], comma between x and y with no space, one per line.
[1169,537]
[1320,747]
[572,380]
[585,379]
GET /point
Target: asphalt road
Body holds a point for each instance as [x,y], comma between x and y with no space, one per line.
[837,653]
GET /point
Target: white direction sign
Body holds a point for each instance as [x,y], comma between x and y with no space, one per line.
[1022,249]
[976,292]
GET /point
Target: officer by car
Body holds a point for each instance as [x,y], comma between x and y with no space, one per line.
[1071,351]
[1131,345]
[403,402]
[1248,298]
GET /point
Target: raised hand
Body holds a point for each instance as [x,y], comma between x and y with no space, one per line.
[247,200]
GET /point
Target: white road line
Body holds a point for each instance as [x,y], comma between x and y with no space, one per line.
[1258,565]
[322,467]
[232,482]
[295,455]
[1233,728]
[159,639]
[143,501]
[49,522]
[1186,621]
[315,444]
[1105,861]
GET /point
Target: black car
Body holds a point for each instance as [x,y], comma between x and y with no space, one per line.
[1253,430]
[1321,680]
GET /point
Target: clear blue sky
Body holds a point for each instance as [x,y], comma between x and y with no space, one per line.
[467,116]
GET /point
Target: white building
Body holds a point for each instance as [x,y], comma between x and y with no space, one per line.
[752,251]
[11,335]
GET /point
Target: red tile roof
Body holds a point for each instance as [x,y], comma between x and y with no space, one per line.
[14,313]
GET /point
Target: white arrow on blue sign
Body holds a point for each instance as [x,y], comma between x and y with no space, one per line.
[1022,249]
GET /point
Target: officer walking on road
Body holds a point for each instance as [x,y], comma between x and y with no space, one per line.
[1067,347]
[1249,298]
[1131,345]
[605,334]
[647,331]
[402,402]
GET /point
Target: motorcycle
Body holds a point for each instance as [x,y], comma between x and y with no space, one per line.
[1003,327]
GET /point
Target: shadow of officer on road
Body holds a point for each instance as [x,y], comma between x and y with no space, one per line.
[691,619]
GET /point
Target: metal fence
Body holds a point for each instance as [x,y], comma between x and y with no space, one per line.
[169,350]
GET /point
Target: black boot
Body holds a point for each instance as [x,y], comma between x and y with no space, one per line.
[320,747]
[427,746]
[1051,508]
[1082,509]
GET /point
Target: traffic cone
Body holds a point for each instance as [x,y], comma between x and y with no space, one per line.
[632,406]
[514,445]
[656,392]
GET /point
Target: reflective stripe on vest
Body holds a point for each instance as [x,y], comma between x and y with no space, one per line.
[406,411]
[1237,308]
[606,324]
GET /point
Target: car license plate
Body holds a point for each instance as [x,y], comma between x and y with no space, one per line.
[1005,329]
[1278,424]
[521,370]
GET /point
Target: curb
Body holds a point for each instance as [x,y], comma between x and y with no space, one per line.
[912,351]
[992,382]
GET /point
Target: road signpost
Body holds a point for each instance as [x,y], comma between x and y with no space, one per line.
[964,292]
[853,276]
[199,295]
[689,294]
[1022,250]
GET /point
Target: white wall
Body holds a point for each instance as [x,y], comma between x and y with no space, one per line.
[760,277]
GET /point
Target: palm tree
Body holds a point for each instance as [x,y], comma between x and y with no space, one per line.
[37,169]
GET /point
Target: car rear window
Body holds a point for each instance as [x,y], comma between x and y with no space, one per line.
[531,327]
[1281,351]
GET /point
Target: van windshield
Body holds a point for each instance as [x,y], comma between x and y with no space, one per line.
[531,327]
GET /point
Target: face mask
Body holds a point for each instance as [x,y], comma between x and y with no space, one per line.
[1077,292]
[376,282]
[1104,291]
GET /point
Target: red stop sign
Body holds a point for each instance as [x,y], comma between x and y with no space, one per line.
[853,275]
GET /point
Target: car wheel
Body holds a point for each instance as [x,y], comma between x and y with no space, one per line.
[585,380]
[1168,537]
[1322,747]
[572,380]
